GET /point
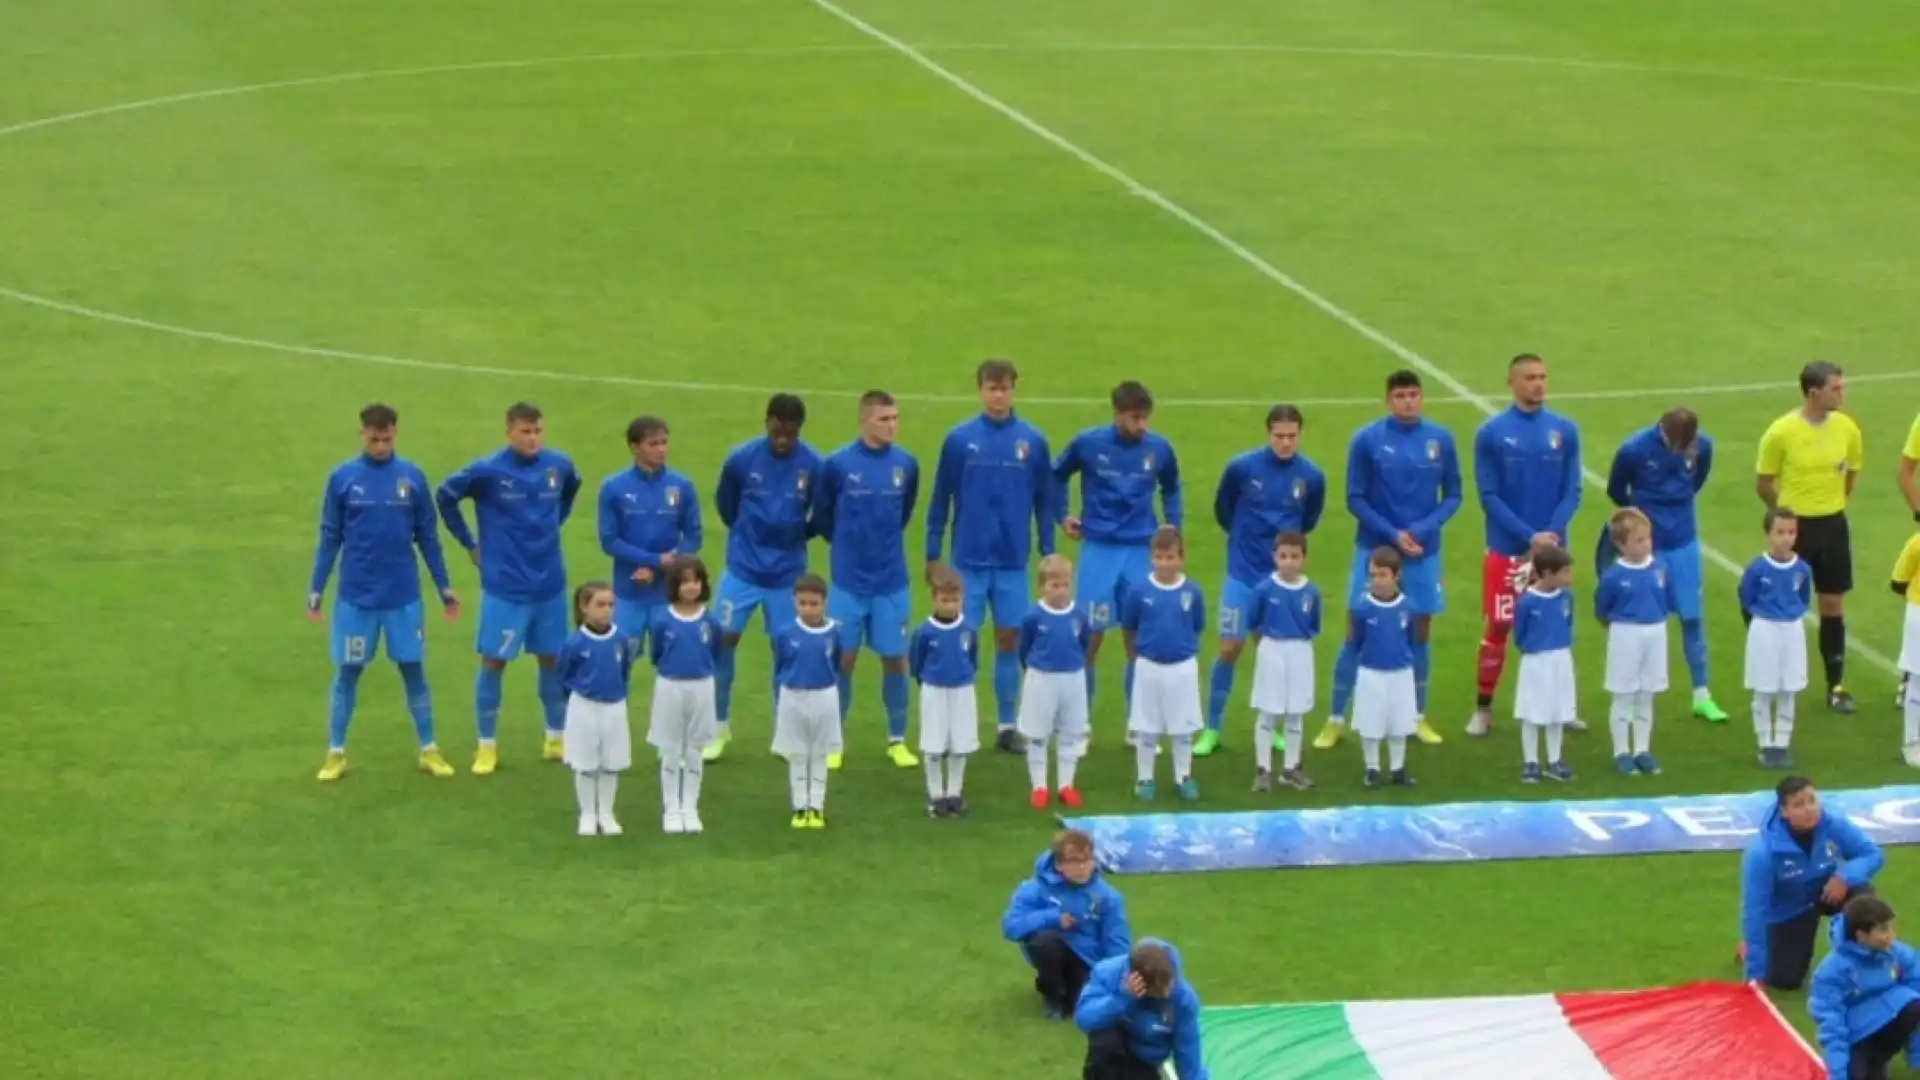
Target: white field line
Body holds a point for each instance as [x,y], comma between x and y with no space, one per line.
[1273,273]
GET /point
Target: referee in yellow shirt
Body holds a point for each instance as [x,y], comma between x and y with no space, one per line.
[1810,460]
[1909,465]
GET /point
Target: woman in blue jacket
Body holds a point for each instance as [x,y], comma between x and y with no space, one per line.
[1866,995]
[1139,1010]
[1805,865]
[1066,919]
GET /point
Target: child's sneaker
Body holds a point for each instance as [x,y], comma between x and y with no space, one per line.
[1911,754]
[673,823]
[956,806]
[1055,1012]
[1530,773]
[1190,789]
[799,819]
[1296,780]
[1767,757]
[1783,758]
[1263,780]
[1372,779]
[589,825]
[1403,778]
[610,827]
[1577,726]
[816,819]
[1560,771]
[1647,764]
[1070,798]
[936,808]
[1623,764]
[692,823]
[1040,799]
[1146,789]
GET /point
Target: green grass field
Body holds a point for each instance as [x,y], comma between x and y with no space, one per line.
[624,206]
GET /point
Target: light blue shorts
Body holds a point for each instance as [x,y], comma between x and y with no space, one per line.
[1106,572]
[1420,582]
[1686,573]
[508,628]
[878,622]
[632,617]
[737,601]
[1007,593]
[1236,609]
[357,632]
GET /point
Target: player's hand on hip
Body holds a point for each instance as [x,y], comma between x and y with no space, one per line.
[1073,527]
[474,554]
[450,603]
[643,576]
[313,608]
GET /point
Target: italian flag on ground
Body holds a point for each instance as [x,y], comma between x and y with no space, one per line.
[1706,1031]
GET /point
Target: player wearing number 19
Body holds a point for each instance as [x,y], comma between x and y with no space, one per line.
[375,512]
[522,495]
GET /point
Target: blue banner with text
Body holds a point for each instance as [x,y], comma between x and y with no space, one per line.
[1468,832]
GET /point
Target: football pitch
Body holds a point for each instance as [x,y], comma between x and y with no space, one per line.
[228,226]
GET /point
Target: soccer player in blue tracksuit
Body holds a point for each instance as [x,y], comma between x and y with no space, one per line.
[1066,918]
[1660,471]
[1866,995]
[1121,466]
[376,510]
[765,499]
[1138,1011]
[1526,465]
[649,515]
[995,483]
[1262,494]
[1403,486]
[521,495]
[862,505]
[1806,863]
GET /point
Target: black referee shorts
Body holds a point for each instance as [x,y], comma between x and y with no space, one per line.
[1827,546]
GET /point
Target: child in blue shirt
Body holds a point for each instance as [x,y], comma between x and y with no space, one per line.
[1285,617]
[1385,703]
[1139,1012]
[1055,640]
[1545,699]
[806,728]
[1633,601]
[684,641]
[1775,593]
[1066,918]
[1162,620]
[1866,994]
[945,657]
[594,666]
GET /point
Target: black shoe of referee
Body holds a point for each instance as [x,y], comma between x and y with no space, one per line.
[1840,701]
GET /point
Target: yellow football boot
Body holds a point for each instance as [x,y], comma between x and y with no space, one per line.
[333,768]
[834,761]
[486,760]
[901,756]
[1330,736]
[554,749]
[433,764]
[1426,734]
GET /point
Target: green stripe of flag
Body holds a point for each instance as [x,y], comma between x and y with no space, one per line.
[1283,1041]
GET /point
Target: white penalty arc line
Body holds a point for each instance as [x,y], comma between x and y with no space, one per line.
[329,353]
[1246,255]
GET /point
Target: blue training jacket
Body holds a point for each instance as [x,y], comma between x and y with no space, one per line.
[521,503]
[1260,496]
[1663,483]
[1780,880]
[1118,478]
[372,517]
[862,505]
[1857,991]
[995,484]
[1527,467]
[1156,1028]
[643,516]
[766,500]
[1402,476]
[1099,929]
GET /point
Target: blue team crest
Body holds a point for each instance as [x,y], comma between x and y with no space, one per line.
[553,479]
[1660,578]
[403,491]
[1553,440]
[1186,601]
[1148,461]
[899,477]
[1433,449]
[706,634]
[966,641]
[800,480]
[1021,450]
[1306,605]
[1299,490]
[673,497]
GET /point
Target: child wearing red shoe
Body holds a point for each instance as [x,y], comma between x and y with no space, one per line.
[1053,698]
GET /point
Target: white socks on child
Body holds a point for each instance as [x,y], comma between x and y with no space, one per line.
[1370,751]
[594,791]
[807,781]
[946,773]
[1631,722]
[1264,725]
[1037,763]
[1182,758]
[1530,742]
[1066,759]
[1555,734]
[1773,719]
[1145,749]
[586,793]
[1397,752]
[1296,742]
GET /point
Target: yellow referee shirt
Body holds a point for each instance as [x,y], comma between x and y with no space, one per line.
[1912,452]
[1906,569]
[1812,461]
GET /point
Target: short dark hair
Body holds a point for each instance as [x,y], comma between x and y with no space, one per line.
[1550,559]
[1403,380]
[1788,788]
[1865,914]
[1386,557]
[523,412]
[1680,424]
[811,583]
[1525,358]
[1154,964]
[1132,396]
[1817,375]
[1778,513]
[1284,413]
[1626,521]
[684,567]
[787,409]
[642,428]
[1291,538]
[379,416]
[874,399]
[1072,840]
[1168,538]
[996,371]
[586,592]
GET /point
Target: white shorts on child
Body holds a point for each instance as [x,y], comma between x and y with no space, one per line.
[806,723]
[949,720]
[1637,658]
[1283,677]
[1545,693]
[1910,640]
[1053,703]
[681,719]
[1166,698]
[1384,704]
[1776,656]
[597,737]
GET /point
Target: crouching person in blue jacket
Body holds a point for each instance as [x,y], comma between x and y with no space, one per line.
[1866,995]
[1139,1011]
[1066,919]
[1805,865]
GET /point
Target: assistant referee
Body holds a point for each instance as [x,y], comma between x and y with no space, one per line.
[1810,460]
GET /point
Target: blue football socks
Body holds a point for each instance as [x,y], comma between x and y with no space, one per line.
[1422,667]
[1346,672]
[1006,685]
[846,696]
[486,701]
[893,690]
[1693,643]
[419,701]
[723,672]
[553,698]
[1219,693]
[346,694]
